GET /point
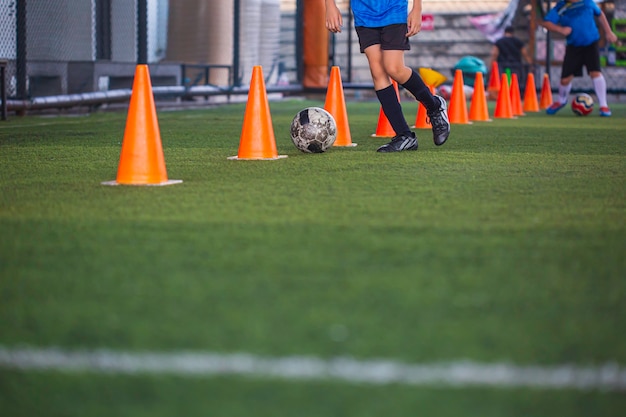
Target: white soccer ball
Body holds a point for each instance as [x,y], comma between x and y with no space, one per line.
[582,104]
[313,130]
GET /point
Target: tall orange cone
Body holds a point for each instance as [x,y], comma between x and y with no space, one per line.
[494,80]
[545,100]
[141,158]
[457,111]
[530,95]
[516,97]
[336,105]
[384,129]
[504,110]
[257,140]
[421,119]
[478,106]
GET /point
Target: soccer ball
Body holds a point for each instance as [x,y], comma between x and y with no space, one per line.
[313,130]
[582,104]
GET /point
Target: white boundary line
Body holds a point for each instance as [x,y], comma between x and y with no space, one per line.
[609,377]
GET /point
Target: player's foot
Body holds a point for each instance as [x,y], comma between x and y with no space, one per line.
[439,121]
[605,112]
[400,143]
[555,107]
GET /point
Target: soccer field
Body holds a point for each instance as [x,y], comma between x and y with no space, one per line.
[481,278]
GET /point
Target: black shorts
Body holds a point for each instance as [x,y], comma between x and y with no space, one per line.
[390,38]
[578,56]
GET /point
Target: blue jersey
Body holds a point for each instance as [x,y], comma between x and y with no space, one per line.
[379,13]
[580,16]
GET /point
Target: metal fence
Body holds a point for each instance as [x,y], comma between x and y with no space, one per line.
[66,47]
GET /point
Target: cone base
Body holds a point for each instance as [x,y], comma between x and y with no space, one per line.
[350,145]
[156,184]
[237,158]
[374,135]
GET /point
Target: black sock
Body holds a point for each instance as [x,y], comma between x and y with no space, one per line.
[393,110]
[422,93]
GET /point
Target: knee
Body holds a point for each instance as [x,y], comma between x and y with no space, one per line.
[396,71]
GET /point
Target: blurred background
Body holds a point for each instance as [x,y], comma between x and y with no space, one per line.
[64,47]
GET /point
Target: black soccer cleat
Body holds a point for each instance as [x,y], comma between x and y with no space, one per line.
[439,121]
[400,143]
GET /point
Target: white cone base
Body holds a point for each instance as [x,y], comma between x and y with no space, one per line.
[158,184]
[237,158]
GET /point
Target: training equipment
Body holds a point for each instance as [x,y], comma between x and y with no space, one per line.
[504,109]
[516,97]
[141,159]
[313,130]
[335,104]
[531,104]
[545,99]
[582,104]
[457,111]
[257,140]
[478,104]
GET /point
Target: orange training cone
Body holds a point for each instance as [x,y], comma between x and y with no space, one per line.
[421,119]
[257,139]
[530,95]
[384,129]
[478,106]
[494,78]
[336,105]
[504,110]
[141,159]
[546,93]
[516,97]
[457,111]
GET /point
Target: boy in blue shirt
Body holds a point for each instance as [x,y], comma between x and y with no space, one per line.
[384,29]
[576,20]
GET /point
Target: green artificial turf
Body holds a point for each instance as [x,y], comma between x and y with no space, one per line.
[505,244]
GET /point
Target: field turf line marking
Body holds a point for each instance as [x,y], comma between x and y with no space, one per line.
[610,376]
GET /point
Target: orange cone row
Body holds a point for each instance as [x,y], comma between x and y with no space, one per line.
[142,161]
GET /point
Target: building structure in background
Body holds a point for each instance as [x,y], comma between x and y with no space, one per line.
[58,47]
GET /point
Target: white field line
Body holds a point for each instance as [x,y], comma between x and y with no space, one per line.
[610,376]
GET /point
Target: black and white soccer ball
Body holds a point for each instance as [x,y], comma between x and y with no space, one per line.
[313,130]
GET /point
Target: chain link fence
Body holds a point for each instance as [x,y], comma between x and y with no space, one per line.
[65,47]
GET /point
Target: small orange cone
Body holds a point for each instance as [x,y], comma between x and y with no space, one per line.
[336,105]
[478,106]
[384,129]
[546,93]
[494,78]
[141,159]
[421,119]
[257,140]
[530,95]
[457,111]
[516,97]
[504,110]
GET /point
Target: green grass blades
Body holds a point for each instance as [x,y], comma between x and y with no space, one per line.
[504,245]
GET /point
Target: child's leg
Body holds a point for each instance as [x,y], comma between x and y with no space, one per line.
[564,88]
[385,92]
[599,85]
[408,78]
